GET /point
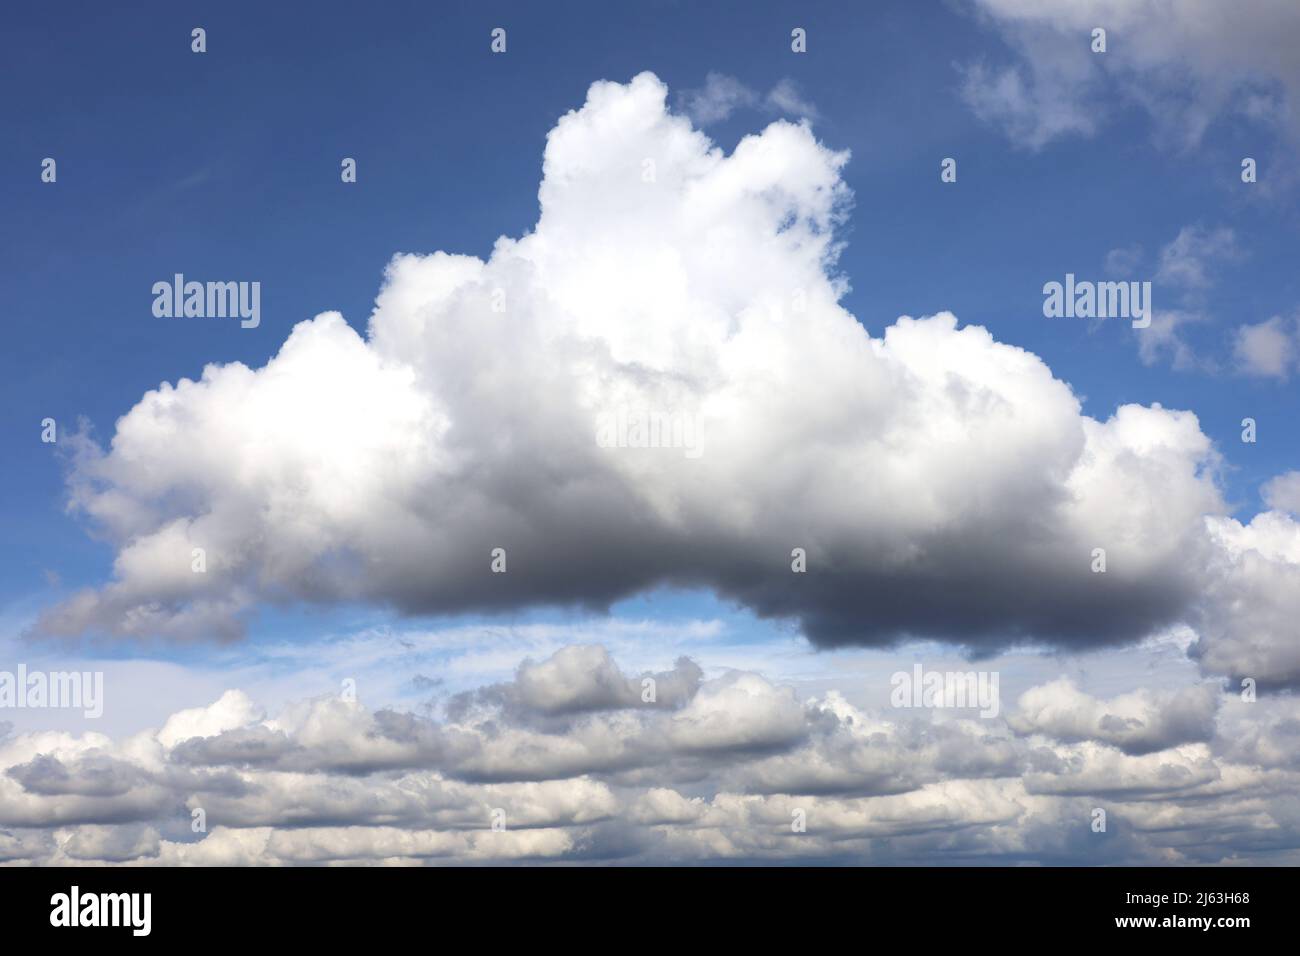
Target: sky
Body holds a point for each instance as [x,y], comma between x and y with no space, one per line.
[825,266]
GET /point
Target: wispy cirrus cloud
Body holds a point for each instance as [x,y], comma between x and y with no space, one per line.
[722,95]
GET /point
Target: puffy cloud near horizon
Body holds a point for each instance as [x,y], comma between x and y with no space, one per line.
[1138,723]
[721,773]
[942,483]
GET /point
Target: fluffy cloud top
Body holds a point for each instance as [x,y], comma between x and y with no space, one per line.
[942,483]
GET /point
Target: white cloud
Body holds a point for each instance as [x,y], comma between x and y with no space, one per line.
[1187,266]
[1122,261]
[1187,64]
[584,678]
[232,709]
[1090,769]
[1137,723]
[1188,260]
[385,468]
[1247,626]
[1163,338]
[723,95]
[720,96]
[738,711]
[1282,493]
[1269,349]
[1186,775]
[786,98]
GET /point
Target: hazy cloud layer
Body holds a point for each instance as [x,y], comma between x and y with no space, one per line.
[720,774]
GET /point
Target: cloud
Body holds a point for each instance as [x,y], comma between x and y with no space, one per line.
[931,461]
[786,98]
[1163,338]
[1089,769]
[845,752]
[1138,723]
[1282,493]
[1122,261]
[1269,349]
[1186,266]
[386,469]
[1185,774]
[232,709]
[113,844]
[737,712]
[1188,259]
[1247,621]
[1033,111]
[1185,64]
[723,95]
[720,96]
[583,678]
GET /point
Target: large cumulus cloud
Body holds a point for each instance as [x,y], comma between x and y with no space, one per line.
[943,484]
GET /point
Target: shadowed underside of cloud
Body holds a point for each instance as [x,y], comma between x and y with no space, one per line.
[941,483]
[576,768]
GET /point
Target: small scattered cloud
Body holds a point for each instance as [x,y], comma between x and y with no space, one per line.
[786,98]
[1189,261]
[1123,261]
[1188,266]
[1163,341]
[1268,349]
[722,95]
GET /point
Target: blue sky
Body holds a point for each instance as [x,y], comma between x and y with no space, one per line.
[225,165]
